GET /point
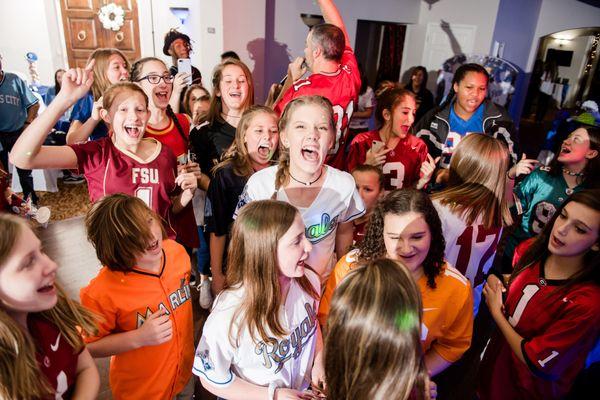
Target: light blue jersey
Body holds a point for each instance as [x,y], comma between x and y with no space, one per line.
[15,99]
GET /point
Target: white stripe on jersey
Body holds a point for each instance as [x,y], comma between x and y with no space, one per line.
[454,273]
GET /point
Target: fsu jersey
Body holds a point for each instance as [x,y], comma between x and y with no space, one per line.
[109,170]
[471,249]
[402,165]
[341,88]
[558,328]
[55,356]
[171,137]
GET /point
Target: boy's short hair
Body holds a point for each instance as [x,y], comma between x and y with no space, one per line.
[118,228]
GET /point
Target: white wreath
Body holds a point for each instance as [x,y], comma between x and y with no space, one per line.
[111,16]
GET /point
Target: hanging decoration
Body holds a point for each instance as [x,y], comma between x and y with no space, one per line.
[593,54]
[111,16]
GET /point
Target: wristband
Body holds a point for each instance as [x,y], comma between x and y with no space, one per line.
[508,175]
[271,390]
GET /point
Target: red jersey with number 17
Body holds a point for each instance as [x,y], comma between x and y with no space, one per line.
[558,328]
[341,88]
[110,170]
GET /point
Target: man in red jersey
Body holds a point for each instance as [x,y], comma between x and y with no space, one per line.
[334,74]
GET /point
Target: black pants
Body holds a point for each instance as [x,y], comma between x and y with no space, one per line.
[7,140]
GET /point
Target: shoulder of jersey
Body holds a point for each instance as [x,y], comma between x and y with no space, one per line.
[453,275]
[352,256]
[341,176]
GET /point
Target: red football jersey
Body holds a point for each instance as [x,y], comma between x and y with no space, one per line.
[402,165]
[55,356]
[109,170]
[170,136]
[341,88]
[559,330]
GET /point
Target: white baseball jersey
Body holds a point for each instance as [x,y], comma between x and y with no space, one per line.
[469,248]
[337,202]
[287,361]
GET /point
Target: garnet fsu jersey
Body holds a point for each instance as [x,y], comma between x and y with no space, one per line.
[402,165]
[558,328]
[341,88]
[110,170]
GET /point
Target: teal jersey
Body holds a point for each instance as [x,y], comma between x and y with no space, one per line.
[537,197]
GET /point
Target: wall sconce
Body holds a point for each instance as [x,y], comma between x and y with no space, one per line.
[182,13]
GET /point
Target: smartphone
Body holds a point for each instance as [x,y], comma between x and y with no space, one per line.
[183,159]
[377,146]
[185,65]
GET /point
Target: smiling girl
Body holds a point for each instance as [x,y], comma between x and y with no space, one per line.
[123,163]
[256,141]
[262,337]
[43,353]
[401,155]
[540,193]
[110,67]
[326,197]
[405,227]
[550,319]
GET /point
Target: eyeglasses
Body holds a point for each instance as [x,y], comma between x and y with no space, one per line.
[155,79]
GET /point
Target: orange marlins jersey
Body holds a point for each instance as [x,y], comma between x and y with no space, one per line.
[124,300]
[447,324]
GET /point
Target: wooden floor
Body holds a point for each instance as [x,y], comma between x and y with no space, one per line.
[66,243]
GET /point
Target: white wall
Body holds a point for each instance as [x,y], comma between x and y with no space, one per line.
[560,15]
[481,13]
[31,26]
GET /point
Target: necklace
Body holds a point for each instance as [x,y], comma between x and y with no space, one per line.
[571,173]
[231,116]
[307,183]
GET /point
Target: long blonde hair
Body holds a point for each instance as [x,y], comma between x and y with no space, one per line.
[237,154]
[252,263]
[477,181]
[283,171]
[373,348]
[19,369]
[101,82]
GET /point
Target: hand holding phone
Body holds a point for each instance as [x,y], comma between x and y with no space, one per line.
[184,65]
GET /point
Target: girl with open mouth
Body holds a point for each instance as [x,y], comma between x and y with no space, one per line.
[326,197]
[43,353]
[125,162]
[255,145]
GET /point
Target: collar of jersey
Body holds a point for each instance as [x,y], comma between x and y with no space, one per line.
[138,159]
[164,131]
[162,268]
[551,282]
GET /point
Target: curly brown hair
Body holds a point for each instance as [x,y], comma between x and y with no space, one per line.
[398,202]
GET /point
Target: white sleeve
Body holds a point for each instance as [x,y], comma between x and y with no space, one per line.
[215,353]
[356,207]
[246,197]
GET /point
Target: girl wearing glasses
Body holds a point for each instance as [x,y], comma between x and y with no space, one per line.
[169,128]
[110,66]
[125,162]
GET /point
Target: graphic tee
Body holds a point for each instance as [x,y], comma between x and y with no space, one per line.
[286,362]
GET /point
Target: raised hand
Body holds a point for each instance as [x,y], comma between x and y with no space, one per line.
[96,109]
[76,82]
[426,172]
[157,329]
[296,69]
[524,167]
[376,158]
[182,79]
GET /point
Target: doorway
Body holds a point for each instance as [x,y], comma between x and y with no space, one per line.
[379,47]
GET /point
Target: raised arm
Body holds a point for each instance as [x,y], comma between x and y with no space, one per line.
[332,15]
[28,152]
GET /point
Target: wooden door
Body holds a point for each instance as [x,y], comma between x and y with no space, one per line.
[84,32]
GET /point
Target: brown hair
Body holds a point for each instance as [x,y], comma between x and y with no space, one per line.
[101,82]
[398,202]
[371,168]
[331,39]
[388,97]
[477,181]
[19,370]
[114,90]
[117,226]
[373,347]
[283,171]
[216,102]
[252,263]
[186,99]
[237,154]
